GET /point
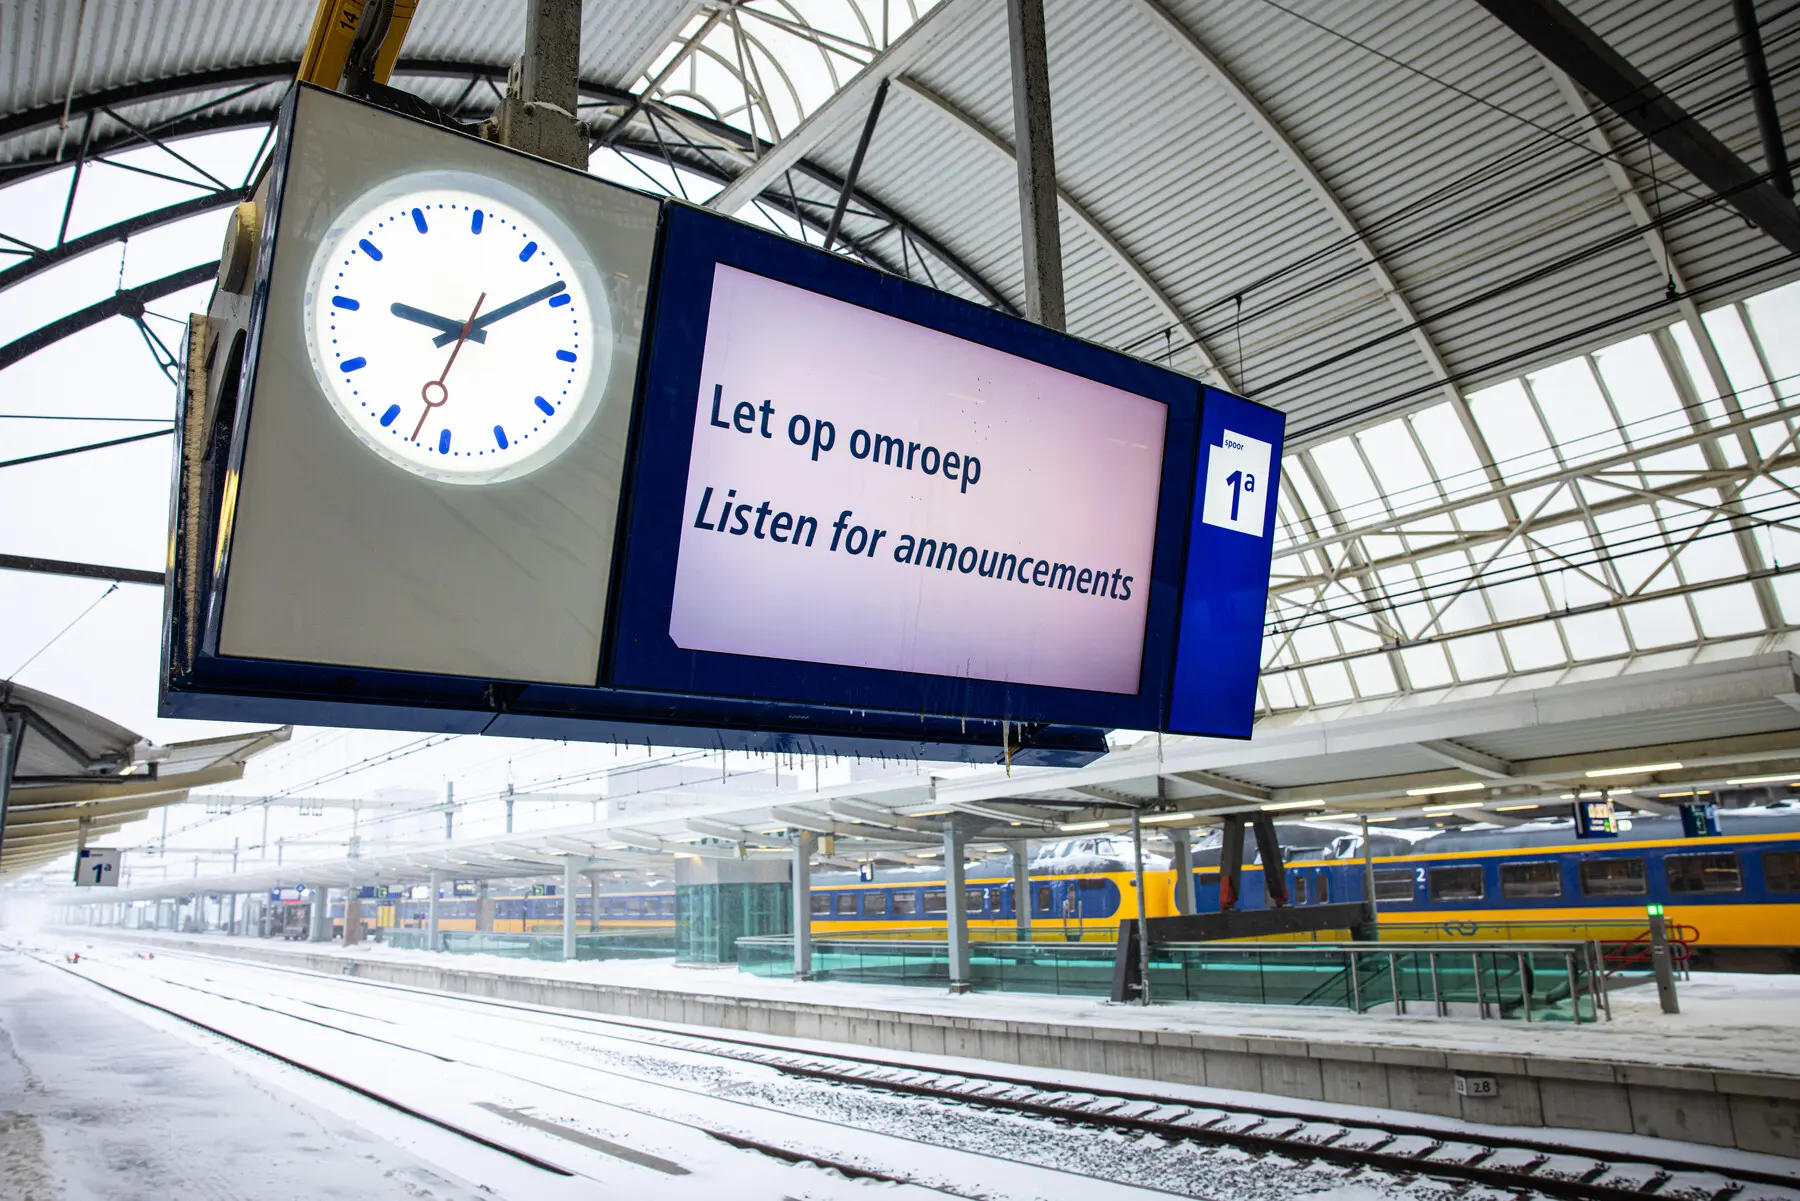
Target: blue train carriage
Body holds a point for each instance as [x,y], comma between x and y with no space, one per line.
[1081,889]
[1734,898]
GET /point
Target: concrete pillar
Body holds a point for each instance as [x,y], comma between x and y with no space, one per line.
[1182,861]
[321,914]
[594,902]
[956,913]
[1021,858]
[1036,156]
[352,915]
[484,908]
[231,918]
[431,913]
[570,883]
[803,847]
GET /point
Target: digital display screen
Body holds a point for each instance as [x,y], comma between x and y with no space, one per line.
[869,492]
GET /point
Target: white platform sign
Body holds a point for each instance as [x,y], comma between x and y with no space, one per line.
[869,492]
[1238,484]
[97,867]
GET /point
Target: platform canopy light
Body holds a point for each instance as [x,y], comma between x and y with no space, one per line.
[1168,817]
[1435,789]
[1516,808]
[1434,810]
[1641,769]
[1292,805]
[1079,827]
[1780,779]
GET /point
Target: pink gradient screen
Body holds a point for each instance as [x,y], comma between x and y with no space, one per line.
[868,492]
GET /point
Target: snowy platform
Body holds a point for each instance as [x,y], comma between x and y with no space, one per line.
[1726,1071]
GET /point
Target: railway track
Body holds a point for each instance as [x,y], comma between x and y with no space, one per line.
[1468,1165]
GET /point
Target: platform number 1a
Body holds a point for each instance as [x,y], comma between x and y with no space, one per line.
[1238,483]
[97,867]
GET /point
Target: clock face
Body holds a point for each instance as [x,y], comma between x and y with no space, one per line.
[453,331]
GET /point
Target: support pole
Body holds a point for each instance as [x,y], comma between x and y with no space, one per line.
[352,915]
[1268,847]
[321,914]
[1368,872]
[449,810]
[856,162]
[1143,909]
[956,910]
[431,912]
[537,114]
[1663,964]
[484,908]
[1183,862]
[568,909]
[803,845]
[593,902]
[1231,862]
[1036,154]
[1768,118]
[1021,857]
[12,733]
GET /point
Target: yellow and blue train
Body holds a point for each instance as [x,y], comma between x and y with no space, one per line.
[1736,896]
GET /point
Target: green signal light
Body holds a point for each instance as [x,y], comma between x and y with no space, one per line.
[1654,910]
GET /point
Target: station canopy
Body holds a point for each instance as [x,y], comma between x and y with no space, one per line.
[1540,379]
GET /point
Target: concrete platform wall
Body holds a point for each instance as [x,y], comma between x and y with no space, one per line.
[1750,1111]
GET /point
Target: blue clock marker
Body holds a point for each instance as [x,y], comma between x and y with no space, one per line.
[344,302]
[525,254]
[549,409]
[355,364]
[419,220]
[557,302]
[387,418]
[500,436]
[567,356]
[368,248]
[475,222]
[444,442]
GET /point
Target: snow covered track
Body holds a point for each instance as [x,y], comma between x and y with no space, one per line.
[634,1092]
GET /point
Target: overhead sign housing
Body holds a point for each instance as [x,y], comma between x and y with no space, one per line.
[507,449]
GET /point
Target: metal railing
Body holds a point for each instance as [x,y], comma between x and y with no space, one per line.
[540,946]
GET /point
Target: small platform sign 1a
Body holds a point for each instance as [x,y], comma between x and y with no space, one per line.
[1477,1086]
[97,867]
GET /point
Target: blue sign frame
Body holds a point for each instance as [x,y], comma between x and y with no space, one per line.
[640,654]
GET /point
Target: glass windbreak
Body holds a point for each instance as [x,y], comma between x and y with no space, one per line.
[1531,881]
[1613,878]
[1704,873]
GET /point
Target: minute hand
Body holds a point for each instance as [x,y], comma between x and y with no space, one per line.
[505,310]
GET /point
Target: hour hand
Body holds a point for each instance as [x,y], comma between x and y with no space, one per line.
[450,326]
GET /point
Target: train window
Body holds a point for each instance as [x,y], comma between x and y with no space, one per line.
[1704,873]
[1209,879]
[1085,847]
[875,903]
[634,906]
[1324,888]
[1613,878]
[1781,871]
[1456,884]
[846,904]
[1394,885]
[668,906]
[934,900]
[1043,898]
[906,902]
[1524,881]
[975,899]
[821,903]
[1298,891]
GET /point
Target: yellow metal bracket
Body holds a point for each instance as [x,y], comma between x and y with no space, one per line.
[334,32]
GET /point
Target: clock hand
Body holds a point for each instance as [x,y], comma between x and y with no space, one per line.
[447,325]
[438,383]
[505,310]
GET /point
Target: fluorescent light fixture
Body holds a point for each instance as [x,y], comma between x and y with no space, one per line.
[1586,796]
[1435,810]
[1640,769]
[1165,817]
[1514,808]
[1445,788]
[1078,827]
[1671,796]
[1384,819]
[1780,779]
[1294,805]
[1328,817]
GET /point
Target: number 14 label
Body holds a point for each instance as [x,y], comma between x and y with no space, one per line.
[1237,484]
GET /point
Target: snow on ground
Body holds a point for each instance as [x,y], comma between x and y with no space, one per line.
[96,1106]
[1728,1022]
